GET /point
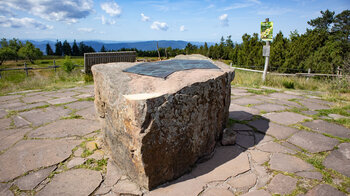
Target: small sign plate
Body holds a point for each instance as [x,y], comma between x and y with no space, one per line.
[266,31]
[266,51]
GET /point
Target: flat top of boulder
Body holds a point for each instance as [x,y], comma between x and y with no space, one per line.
[139,87]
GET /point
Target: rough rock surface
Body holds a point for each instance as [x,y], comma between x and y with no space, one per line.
[157,129]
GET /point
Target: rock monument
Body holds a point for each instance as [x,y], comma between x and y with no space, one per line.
[156,127]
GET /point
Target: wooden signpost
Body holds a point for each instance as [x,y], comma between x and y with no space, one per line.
[266,35]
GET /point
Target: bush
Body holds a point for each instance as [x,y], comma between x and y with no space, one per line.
[68,65]
[288,84]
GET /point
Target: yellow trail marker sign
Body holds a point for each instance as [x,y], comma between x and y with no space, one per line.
[266,32]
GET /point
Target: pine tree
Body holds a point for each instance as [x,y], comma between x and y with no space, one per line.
[323,22]
[66,49]
[58,50]
[103,49]
[49,50]
[75,49]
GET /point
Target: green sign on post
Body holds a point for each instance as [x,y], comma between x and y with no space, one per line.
[266,31]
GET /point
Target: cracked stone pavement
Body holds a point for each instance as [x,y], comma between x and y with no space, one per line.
[51,144]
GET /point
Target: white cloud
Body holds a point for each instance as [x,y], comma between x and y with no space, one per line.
[210,6]
[242,4]
[107,21]
[224,20]
[159,26]
[64,10]
[86,30]
[111,8]
[22,22]
[182,28]
[273,11]
[144,18]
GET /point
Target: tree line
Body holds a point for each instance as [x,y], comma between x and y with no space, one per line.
[66,49]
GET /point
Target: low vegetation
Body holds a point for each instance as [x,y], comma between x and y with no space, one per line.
[336,86]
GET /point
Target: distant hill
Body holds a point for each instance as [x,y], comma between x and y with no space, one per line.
[140,45]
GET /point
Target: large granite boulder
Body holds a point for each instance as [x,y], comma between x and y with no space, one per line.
[158,128]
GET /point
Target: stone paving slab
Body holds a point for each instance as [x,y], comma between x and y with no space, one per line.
[10,105]
[324,190]
[313,142]
[246,101]
[28,106]
[66,128]
[282,184]
[285,96]
[269,147]
[63,94]
[112,177]
[311,175]
[337,116]
[243,182]
[62,100]
[185,185]
[257,193]
[79,105]
[286,118]
[270,128]
[288,163]
[73,182]
[268,107]
[274,147]
[32,180]
[28,155]
[5,189]
[3,113]
[286,103]
[45,115]
[20,122]
[240,92]
[259,157]
[9,97]
[217,191]
[329,128]
[227,161]
[5,123]
[339,159]
[88,113]
[238,112]
[34,99]
[313,106]
[11,136]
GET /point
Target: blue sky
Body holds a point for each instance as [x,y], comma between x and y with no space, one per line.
[137,20]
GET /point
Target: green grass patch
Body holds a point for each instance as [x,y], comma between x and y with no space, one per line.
[261,92]
[251,79]
[14,81]
[86,153]
[87,99]
[338,110]
[98,165]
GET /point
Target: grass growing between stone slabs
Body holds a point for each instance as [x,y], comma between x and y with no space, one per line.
[337,110]
[328,175]
[98,165]
[261,92]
